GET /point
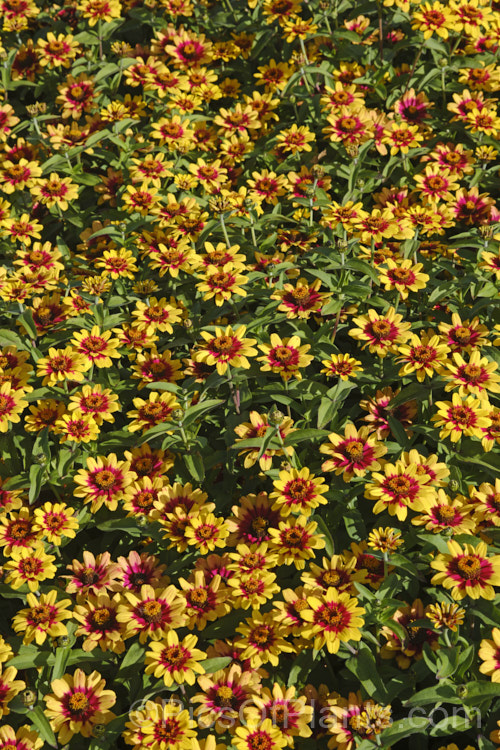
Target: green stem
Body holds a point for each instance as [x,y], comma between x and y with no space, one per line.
[415,63]
[235,393]
[288,410]
[380,31]
[224,230]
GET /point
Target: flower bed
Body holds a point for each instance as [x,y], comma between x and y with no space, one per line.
[249,395]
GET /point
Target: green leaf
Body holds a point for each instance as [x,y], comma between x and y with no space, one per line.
[450,725]
[42,725]
[360,265]
[129,525]
[302,667]
[29,657]
[411,392]
[402,728]
[213,665]
[440,693]
[106,71]
[133,656]
[105,231]
[478,691]
[37,473]
[162,385]
[194,412]
[398,431]
[26,320]
[61,661]
[195,466]
[299,436]
[364,667]
[254,443]
[9,338]
[466,659]
[329,544]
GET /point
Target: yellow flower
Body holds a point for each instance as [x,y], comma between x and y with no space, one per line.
[174,660]
[78,702]
[468,571]
[225,348]
[285,356]
[262,640]
[341,366]
[105,481]
[9,688]
[382,333]
[151,613]
[460,417]
[62,364]
[259,735]
[298,491]
[55,191]
[295,541]
[222,283]
[55,521]
[12,405]
[99,10]
[434,18]
[424,356]
[403,276]
[476,377]
[42,618]
[489,653]
[334,618]
[400,487]
[156,410]
[29,565]
[353,453]
[98,347]
[158,720]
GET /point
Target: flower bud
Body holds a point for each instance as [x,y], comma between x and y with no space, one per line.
[275,416]
[99,730]
[486,231]
[28,698]
[177,415]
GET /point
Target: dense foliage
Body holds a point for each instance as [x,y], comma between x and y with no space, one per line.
[249,386]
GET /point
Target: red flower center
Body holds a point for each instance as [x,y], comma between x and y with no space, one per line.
[469,567]
[104,479]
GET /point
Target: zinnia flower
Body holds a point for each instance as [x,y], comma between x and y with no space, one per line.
[468,571]
[77,704]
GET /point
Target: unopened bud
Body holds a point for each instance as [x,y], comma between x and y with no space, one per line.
[275,416]
[99,730]
[486,231]
[28,698]
[177,415]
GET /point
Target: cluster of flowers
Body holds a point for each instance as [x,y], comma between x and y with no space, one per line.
[249,373]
